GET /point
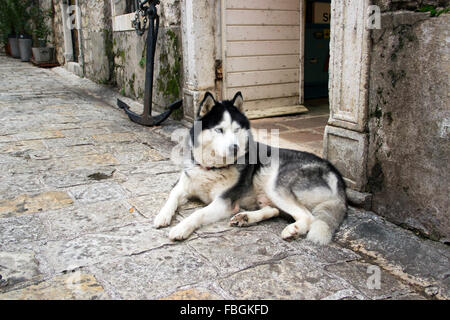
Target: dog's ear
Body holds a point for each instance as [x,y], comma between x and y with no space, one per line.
[238,101]
[206,105]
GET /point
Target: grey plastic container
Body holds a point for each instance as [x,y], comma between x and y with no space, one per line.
[25,49]
[14,45]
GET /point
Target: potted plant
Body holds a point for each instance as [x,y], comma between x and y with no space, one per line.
[41,52]
[8,26]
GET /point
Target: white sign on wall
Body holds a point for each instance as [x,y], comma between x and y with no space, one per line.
[322,12]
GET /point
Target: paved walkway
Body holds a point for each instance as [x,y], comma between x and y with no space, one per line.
[302,132]
[80,185]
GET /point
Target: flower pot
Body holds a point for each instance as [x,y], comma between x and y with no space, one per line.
[25,48]
[14,45]
[42,54]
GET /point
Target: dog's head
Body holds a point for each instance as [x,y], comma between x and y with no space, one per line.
[221,132]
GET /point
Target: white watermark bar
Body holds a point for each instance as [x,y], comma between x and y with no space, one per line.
[373,17]
[374,281]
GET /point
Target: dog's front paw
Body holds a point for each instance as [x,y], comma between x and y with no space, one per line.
[239,220]
[180,232]
[163,219]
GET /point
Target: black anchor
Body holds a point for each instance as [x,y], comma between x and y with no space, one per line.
[147,10]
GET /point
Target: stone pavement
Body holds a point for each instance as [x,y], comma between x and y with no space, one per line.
[302,132]
[80,185]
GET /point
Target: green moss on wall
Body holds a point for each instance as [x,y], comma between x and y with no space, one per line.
[131,82]
[109,51]
[168,82]
[121,53]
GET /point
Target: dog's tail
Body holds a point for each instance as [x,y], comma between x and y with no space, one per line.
[328,216]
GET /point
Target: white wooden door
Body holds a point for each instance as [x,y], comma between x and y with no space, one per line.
[262,53]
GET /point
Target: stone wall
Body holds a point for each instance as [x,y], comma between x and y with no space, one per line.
[118,58]
[129,52]
[409,118]
[95,37]
[58,35]
[395,5]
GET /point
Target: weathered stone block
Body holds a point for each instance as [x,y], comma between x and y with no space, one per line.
[154,274]
[263,282]
[17,268]
[408,124]
[417,261]
[241,249]
[347,150]
[349,60]
[98,192]
[192,294]
[25,204]
[72,222]
[89,249]
[71,286]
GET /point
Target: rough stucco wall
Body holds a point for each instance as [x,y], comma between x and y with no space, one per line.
[409,122]
[95,36]
[95,32]
[116,57]
[58,34]
[395,5]
[129,50]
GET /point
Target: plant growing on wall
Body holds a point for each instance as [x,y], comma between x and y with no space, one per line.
[434,12]
[168,82]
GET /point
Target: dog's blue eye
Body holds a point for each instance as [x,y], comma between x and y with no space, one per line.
[219,130]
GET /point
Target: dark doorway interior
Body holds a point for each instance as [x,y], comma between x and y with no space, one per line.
[317,48]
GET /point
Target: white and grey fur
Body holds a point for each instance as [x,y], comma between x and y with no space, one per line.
[222,173]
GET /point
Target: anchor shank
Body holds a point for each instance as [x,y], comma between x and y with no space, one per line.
[152,35]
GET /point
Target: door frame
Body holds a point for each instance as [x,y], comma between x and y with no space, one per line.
[75,66]
[301,74]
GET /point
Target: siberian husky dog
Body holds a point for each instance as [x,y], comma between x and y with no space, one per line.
[240,178]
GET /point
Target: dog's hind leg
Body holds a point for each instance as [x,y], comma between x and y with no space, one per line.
[217,210]
[302,216]
[246,218]
[177,197]
[284,200]
[328,216]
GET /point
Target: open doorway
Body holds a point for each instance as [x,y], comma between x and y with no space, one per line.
[317,49]
[317,58]
[306,131]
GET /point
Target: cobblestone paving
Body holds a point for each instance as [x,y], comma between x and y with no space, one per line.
[80,185]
